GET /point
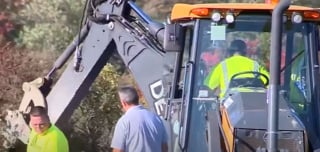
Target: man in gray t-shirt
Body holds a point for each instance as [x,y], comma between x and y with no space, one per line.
[138,130]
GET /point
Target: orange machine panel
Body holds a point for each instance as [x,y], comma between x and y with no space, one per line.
[184,11]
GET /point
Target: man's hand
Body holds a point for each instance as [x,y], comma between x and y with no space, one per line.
[164,147]
[117,150]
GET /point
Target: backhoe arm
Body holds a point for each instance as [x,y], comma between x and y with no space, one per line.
[109,29]
[102,41]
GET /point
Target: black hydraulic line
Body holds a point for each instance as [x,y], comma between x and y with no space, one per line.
[291,61]
[137,9]
[273,92]
[69,50]
[155,28]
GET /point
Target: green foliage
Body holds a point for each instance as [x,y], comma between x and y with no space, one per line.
[94,120]
[160,9]
[265,48]
[50,25]
[9,26]
[309,3]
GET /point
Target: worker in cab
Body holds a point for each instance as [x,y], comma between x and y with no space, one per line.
[298,91]
[219,78]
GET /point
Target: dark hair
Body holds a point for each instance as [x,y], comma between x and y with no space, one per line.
[237,46]
[129,94]
[39,111]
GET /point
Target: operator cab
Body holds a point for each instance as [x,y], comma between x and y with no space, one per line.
[243,111]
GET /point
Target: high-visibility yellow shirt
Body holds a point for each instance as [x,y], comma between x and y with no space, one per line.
[52,140]
[222,73]
[297,91]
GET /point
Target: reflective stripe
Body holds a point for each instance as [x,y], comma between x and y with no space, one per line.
[225,74]
[256,67]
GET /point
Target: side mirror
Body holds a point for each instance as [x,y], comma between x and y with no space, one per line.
[173,38]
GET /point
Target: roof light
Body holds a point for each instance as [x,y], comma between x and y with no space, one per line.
[271,1]
[311,14]
[230,18]
[200,11]
[216,16]
[296,17]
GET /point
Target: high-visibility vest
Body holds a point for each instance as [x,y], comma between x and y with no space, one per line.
[297,83]
[222,73]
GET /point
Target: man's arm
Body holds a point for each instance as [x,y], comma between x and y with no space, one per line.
[164,145]
[264,71]
[118,139]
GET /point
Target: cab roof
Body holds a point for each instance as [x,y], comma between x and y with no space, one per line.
[182,11]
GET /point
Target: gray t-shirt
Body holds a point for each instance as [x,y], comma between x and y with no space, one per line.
[139,130]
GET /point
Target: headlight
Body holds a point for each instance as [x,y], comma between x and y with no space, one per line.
[229,18]
[216,16]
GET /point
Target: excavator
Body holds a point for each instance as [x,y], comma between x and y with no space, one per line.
[169,64]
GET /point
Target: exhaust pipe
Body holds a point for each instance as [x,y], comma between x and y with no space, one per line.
[273,92]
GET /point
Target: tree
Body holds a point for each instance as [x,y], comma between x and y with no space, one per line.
[93,122]
[9,25]
[50,25]
[309,3]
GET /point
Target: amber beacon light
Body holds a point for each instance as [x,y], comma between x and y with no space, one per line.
[200,11]
[271,1]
